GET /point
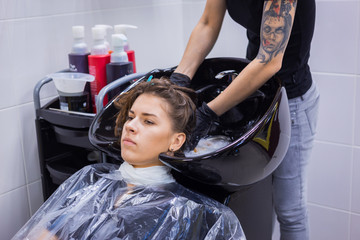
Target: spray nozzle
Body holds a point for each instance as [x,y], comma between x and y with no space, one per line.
[121,28]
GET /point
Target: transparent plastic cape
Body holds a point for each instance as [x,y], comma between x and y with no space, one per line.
[95,203]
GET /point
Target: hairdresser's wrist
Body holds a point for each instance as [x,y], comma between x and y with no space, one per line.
[205,119]
[180,79]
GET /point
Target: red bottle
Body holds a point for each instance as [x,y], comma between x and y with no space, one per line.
[97,68]
[97,64]
[131,57]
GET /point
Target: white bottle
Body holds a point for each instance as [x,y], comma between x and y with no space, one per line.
[99,46]
[121,29]
[106,28]
[118,54]
[79,46]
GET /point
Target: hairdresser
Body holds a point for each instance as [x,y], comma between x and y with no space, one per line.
[279,37]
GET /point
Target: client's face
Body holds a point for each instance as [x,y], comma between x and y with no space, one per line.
[147,132]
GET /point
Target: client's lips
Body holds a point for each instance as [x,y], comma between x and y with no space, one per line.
[128,141]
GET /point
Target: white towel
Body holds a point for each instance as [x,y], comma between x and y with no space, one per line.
[146,176]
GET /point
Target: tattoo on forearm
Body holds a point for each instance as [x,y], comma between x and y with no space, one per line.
[275,28]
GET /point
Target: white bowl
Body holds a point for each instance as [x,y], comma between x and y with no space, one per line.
[70,83]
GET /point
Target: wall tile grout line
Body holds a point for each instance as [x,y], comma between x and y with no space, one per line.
[331,208]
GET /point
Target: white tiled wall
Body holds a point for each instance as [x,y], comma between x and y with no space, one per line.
[12,173]
[354,227]
[355,197]
[357,111]
[334,169]
[333,188]
[336,114]
[35,37]
[327,223]
[336,42]
[14,211]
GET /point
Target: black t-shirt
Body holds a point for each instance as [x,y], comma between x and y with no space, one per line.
[295,73]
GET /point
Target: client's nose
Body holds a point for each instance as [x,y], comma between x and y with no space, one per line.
[131,125]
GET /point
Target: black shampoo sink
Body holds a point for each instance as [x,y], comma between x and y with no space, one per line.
[259,129]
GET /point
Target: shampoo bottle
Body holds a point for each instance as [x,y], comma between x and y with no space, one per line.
[106,28]
[78,58]
[119,65]
[118,43]
[98,59]
[121,29]
[78,62]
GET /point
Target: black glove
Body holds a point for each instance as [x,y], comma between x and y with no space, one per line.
[205,118]
[180,79]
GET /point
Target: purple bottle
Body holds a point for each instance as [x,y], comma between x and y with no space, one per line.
[78,58]
[78,62]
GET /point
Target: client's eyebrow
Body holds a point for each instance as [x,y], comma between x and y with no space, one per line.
[144,114]
[149,114]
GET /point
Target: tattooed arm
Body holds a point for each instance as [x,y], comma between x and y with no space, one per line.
[277,20]
[275,28]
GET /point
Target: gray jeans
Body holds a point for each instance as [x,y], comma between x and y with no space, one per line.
[289,179]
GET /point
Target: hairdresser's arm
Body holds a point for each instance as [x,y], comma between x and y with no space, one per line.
[267,63]
[203,37]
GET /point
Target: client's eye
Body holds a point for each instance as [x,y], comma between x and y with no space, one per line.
[149,122]
[129,118]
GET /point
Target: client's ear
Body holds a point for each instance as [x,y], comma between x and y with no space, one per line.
[177,141]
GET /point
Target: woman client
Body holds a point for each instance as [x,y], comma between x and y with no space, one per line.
[141,199]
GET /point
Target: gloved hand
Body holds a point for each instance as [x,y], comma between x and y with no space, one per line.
[180,79]
[205,118]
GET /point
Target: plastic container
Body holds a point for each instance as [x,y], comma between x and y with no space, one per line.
[97,64]
[119,65]
[115,71]
[97,68]
[121,29]
[70,83]
[105,28]
[118,42]
[99,47]
[78,58]
[71,86]
[79,46]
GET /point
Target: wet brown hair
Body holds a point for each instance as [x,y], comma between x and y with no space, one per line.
[180,99]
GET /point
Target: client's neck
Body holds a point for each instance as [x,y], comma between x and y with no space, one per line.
[146,176]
